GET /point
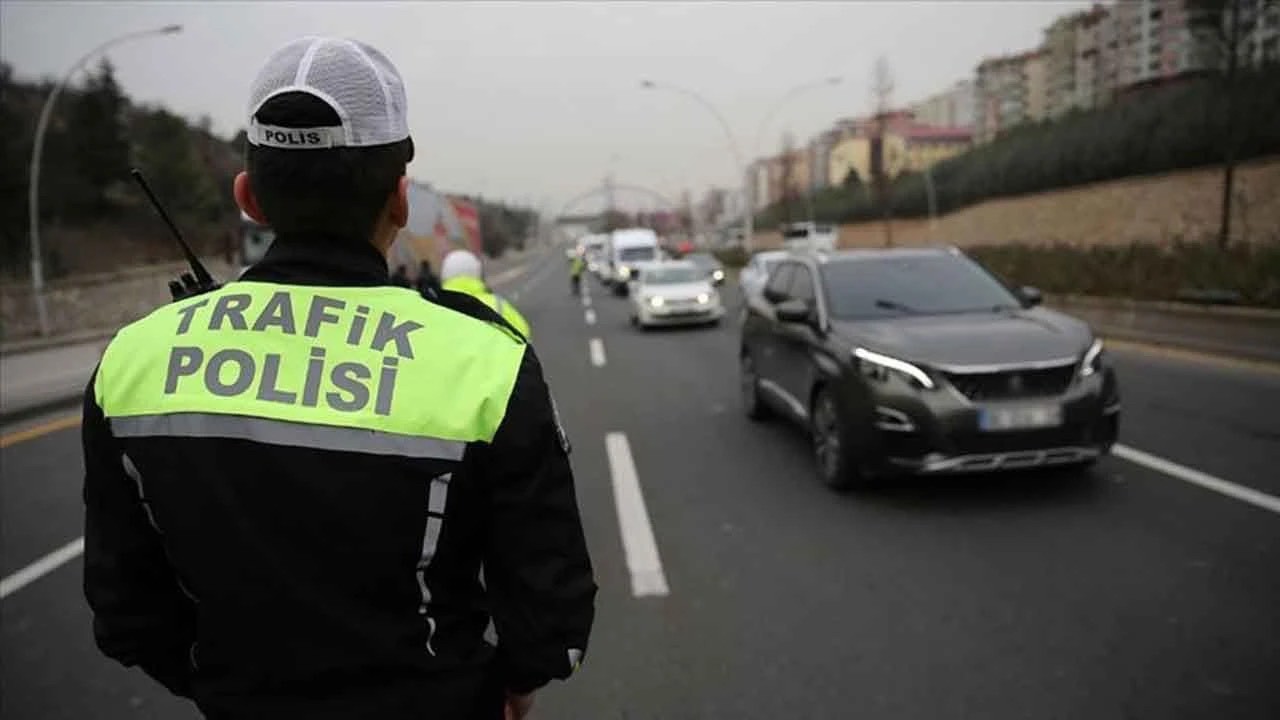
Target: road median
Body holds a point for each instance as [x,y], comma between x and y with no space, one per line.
[1242,333]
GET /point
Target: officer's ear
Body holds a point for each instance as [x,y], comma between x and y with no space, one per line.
[398,208]
[247,201]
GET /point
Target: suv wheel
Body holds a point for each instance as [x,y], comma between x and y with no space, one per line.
[834,449]
[749,383]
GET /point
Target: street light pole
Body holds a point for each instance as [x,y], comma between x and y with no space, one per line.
[37,151]
[788,97]
[748,205]
[791,95]
[749,219]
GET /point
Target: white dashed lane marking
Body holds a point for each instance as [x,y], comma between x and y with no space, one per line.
[1195,477]
[643,563]
[41,567]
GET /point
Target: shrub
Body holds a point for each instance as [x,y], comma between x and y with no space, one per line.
[1143,271]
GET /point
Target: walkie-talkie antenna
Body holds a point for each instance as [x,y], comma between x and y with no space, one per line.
[202,276]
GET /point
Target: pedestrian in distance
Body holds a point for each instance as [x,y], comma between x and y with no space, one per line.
[576,265]
[293,481]
[427,282]
[400,278]
[463,272]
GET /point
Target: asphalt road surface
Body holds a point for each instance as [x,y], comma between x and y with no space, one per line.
[733,585]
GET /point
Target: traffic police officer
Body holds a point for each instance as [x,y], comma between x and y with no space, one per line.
[575,273]
[309,492]
[462,272]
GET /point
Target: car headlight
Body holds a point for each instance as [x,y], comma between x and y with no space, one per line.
[656,301]
[876,365]
[624,272]
[718,275]
[704,298]
[1091,363]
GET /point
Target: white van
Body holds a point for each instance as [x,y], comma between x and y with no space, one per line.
[593,247]
[808,236]
[628,248]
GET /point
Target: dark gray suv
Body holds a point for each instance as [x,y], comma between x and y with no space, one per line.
[921,361]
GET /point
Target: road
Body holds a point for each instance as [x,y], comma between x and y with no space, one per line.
[1124,592]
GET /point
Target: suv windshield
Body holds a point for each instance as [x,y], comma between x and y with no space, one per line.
[672,275]
[702,260]
[911,285]
[635,254]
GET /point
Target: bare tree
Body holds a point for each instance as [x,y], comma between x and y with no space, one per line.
[787,163]
[882,96]
[1218,27]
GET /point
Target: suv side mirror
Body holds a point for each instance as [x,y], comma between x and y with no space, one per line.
[1031,296]
[794,311]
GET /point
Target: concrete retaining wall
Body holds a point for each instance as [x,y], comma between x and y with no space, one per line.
[1183,205]
[87,302]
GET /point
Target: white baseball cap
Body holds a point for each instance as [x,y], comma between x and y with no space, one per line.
[357,81]
[460,263]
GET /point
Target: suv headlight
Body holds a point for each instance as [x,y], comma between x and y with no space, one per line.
[656,301]
[624,272]
[717,275]
[877,366]
[1091,363]
[704,298]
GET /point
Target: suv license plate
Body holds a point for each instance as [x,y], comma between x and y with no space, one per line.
[1020,417]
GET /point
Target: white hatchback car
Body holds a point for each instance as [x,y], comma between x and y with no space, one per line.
[674,293]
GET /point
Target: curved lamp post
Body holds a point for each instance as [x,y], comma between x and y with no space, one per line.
[748,204]
[37,149]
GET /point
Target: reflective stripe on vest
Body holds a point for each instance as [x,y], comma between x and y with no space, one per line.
[379,368]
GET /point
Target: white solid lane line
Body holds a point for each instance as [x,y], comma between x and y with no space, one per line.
[586,300]
[591,317]
[638,544]
[41,567]
[1195,477]
[597,352]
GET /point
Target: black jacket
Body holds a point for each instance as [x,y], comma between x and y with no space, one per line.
[270,581]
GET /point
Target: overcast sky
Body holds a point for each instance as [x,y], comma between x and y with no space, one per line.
[537,102]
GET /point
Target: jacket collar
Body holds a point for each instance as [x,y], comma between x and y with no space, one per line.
[466,284]
[318,259]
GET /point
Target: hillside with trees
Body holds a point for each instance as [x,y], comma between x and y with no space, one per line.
[94,218]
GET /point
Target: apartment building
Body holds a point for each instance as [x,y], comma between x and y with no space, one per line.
[1260,44]
[1010,90]
[908,146]
[951,108]
[820,157]
[1157,42]
[1080,61]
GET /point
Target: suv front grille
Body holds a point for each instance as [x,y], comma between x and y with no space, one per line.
[1013,384]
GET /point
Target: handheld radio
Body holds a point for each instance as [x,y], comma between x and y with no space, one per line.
[189,284]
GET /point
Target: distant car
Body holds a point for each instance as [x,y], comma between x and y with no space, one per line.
[753,276]
[673,293]
[710,265]
[920,361]
[808,236]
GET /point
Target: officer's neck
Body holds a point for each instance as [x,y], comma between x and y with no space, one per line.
[309,258]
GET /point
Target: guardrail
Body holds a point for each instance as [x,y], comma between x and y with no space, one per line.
[1249,333]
